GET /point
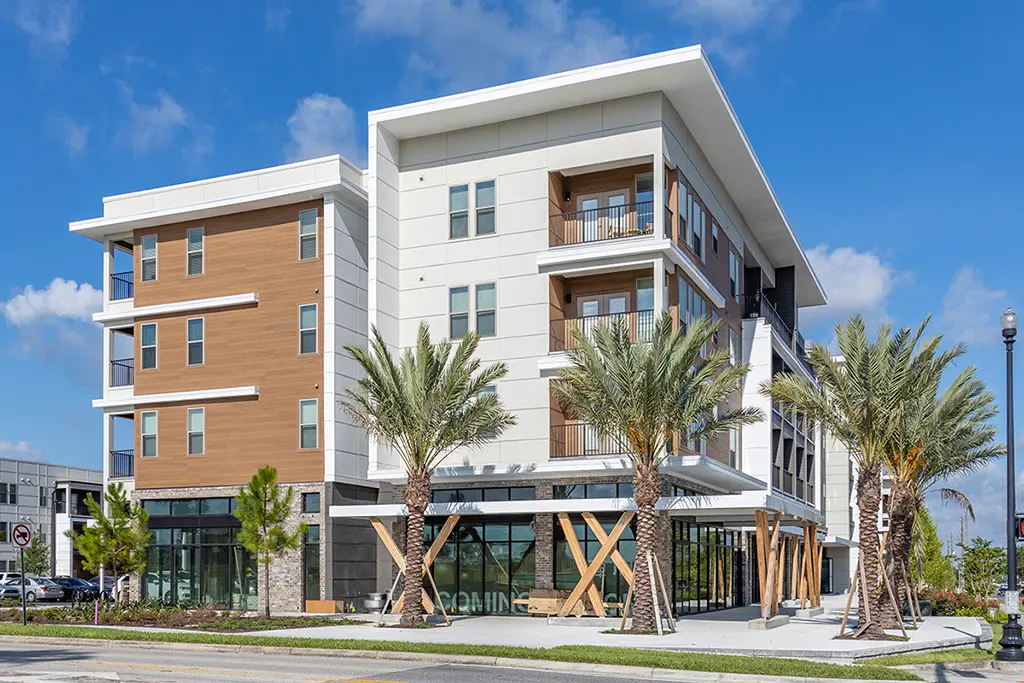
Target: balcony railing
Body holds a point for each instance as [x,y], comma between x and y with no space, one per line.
[641,327]
[122,372]
[121,286]
[668,222]
[758,306]
[579,439]
[122,463]
[604,223]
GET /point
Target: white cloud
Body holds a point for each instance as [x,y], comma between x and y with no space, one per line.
[463,45]
[60,299]
[20,450]
[74,136]
[275,15]
[323,125]
[729,26]
[970,310]
[49,24]
[151,127]
[854,282]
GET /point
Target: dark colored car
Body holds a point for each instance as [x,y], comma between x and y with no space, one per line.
[76,590]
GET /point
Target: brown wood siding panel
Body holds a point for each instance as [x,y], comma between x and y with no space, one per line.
[244,345]
[606,283]
[602,181]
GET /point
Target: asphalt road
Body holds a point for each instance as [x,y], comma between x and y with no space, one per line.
[55,664]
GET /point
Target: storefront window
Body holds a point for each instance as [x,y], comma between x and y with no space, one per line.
[707,568]
[612,586]
[200,566]
[311,563]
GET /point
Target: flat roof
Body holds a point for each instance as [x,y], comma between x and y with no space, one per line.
[686,78]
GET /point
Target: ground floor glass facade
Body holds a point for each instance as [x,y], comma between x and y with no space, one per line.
[204,566]
[707,568]
[610,583]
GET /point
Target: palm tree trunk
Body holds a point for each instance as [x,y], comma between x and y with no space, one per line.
[869,494]
[647,490]
[901,524]
[417,493]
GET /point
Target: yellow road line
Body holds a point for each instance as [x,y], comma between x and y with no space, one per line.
[221,672]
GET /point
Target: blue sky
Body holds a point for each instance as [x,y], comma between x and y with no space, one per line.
[891,136]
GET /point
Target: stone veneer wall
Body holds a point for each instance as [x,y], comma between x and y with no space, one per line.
[285,571]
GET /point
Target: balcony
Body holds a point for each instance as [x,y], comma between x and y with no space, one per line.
[122,464]
[122,372]
[641,327]
[579,440]
[602,224]
[122,286]
[758,306]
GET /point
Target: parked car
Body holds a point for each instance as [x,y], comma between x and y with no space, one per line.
[9,592]
[76,590]
[36,588]
[7,576]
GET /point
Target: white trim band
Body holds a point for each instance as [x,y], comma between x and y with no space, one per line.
[108,317]
[177,397]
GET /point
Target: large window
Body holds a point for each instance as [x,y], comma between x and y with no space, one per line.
[692,306]
[622,489]
[148,345]
[196,431]
[148,248]
[458,312]
[612,585]
[307,329]
[485,207]
[458,211]
[308,421]
[311,563]
[707,568]
[203,566]
[486,303]
[734,275]
[714,237]
[501,493]
[310,503]
[3,532]
[196,336]
[194,249]
[307,234]
[148,420]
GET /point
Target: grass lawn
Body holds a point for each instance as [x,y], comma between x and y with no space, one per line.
[945,656]
[762,666]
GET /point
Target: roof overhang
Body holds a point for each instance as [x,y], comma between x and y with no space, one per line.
[260,189]
[686,78]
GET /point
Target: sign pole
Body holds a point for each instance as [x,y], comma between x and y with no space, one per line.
[21,534]
[24,609]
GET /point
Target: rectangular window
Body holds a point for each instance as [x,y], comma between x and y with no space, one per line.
[714,237]
[149,434]
[148,258]
[12,494]
[148,344]
[42,496]
[3,533]
[734,275]
[307,329]
[485,207]
[458,211]
[308,423]
[196,431]
[735,351]
[194,250]
[485,310]
[311,502]
[3,492]
[734,445]
[196,354]
[307,234]
[458,312]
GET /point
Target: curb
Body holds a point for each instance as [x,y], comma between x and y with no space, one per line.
[466,660]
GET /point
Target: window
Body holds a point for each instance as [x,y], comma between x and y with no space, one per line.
[735,350]
[311,564]
[611,490]
[148,346]
[149,434]
[194,251]
[3,492]
[691,305]
[458,211]
[307,329]
[697,230]
[195,341]
[485,305]
[3,532]
[734,275]
[196,430]
[458,312]
[714,237]
[485,207]
[215,506]
[148,258]
[478,495]
[310,502]
[308,423]
[307,234]
[42,496]
[12,494]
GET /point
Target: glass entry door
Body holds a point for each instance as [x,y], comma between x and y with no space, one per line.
[605,215]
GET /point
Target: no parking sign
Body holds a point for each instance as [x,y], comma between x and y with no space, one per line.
[21,534]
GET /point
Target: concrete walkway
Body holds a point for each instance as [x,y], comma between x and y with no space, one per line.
[723,632]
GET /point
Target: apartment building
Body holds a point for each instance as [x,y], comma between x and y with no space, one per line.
[527,211]
[226,302]
[51,499]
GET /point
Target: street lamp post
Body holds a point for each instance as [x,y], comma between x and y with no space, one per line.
[1011,643]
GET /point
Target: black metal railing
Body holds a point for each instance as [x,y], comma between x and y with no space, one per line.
[563,330]
[122,286]
[757,306]
[122,372]
[605,223]
[122,463]
[579,439]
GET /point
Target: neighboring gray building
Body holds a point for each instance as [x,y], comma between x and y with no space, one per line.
[52,499]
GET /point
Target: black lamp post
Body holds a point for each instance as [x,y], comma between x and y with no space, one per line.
[1011,641]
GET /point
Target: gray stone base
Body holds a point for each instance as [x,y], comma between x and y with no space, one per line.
[1013,667]
[810,612]
[768,624]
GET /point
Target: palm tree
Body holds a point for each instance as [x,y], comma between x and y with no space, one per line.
[425,405]
[944,436]
[641,395]
[860,399]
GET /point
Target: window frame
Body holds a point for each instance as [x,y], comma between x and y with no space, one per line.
[189,432]
[734,274]
[154,345]
[189,252]
[315,425]
[155,258]
[319,503]
[201,342]
[315,235]
[466,313]
[477,310]
[315,329]
[493,208]
[714,235]
[452,212]
[143,434]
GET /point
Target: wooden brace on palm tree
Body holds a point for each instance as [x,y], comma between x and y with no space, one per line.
[428,559]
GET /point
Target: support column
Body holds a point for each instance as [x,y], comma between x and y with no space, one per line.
[660,286]
[659,199]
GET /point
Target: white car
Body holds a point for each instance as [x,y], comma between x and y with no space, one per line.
[36,588]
